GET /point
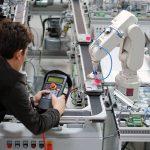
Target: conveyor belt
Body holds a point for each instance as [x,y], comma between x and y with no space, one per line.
[87,63]
[85,55]
[95,105]
[80,29]
[20,12]
[77,113]
[95,102]
[78,17]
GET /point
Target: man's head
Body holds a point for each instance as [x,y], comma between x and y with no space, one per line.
[14,39]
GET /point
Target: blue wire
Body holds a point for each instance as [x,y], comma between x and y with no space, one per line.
[111,62]
[146,112]
[96,39]
[118,32]
[107,52]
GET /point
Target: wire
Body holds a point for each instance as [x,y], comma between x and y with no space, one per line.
[31,65]
[96,40]
[146,113]
[111,136]
[111,62]
[120,34]
[11,2]
[76,97]
[37,37]
[44,140]
[60,43]
[30,88]
[124,146]
[73,96]
[43,27]
[147,38]
[107,52]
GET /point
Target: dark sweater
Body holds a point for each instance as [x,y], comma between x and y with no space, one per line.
[14,99]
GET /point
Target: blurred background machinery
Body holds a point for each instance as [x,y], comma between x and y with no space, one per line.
[56,45]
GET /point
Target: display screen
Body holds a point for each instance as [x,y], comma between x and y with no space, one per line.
[55,79]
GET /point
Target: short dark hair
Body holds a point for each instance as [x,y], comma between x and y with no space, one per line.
[13,37]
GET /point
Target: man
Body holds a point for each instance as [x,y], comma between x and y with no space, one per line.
[14,39]
[1,2]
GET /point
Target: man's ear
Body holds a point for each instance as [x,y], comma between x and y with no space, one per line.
[18,54]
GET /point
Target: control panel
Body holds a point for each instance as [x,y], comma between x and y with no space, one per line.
[55,83]
[25,144]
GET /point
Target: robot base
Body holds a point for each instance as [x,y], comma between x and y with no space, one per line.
[128,86]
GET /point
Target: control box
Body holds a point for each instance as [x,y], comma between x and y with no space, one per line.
[54,82]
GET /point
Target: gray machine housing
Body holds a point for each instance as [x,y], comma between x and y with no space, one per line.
[56,44]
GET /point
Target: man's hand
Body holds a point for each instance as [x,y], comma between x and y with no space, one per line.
[38,96]
[59,103]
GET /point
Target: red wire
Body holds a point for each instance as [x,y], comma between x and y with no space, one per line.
[44,140]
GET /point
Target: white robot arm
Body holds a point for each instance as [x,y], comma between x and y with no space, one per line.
[125,33]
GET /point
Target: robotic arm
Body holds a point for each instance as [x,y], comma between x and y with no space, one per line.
[125,33]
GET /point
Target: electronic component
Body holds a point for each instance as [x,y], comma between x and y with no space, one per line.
[122,123]
[135,121]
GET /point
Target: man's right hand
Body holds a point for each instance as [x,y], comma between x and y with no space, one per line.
[59,103]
